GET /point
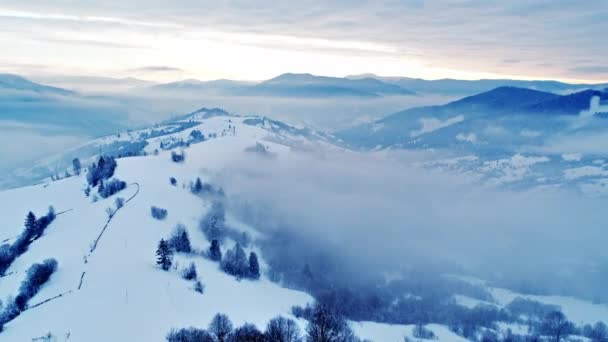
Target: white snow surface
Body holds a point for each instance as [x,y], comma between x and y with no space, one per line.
[125,296]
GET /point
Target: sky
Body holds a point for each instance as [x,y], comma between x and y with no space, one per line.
[253,40]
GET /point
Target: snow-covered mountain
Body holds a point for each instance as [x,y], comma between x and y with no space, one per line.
[554,138]
[105,253]
[107,286]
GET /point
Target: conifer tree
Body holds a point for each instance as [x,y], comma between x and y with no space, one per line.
[254,266]
[198,185]
[180,241]
[163,254]
[215,253]
[30,225]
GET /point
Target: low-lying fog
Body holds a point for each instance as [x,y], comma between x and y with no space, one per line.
[378,213]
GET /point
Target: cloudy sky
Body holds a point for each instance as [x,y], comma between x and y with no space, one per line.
[249,40]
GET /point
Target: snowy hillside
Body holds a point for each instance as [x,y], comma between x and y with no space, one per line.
[107,286]
[121,284]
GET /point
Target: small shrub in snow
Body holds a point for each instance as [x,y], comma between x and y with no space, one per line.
[199,287]
[178,158]
[158,213]
[120,202]
[179,240]
[173,181]
[189,273]
[111,187]
[163,255]
[189,335]
[110,211]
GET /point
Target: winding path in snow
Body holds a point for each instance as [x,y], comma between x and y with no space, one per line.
[93,248]
[110,219]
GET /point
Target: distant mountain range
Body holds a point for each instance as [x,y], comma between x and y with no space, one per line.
[18,83]
[292,85]
[56,109]
[468,87]
[497,119]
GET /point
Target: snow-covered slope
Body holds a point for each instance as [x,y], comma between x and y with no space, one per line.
[122,287]
[107,286]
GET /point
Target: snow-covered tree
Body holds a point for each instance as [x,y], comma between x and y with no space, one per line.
[199,287]
[215,253]
[254,266]
[198,186]
[164,255]
[189,273]
[213,223]
[179,240]
[76,166]
[158,213]
[235,262]
[36,276]
[31,225]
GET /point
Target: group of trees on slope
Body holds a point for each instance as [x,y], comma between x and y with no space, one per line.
[323,326]
[33,229]
[36,276]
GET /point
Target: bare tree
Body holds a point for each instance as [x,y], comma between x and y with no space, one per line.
[281,329]
[221,327]
[556,326]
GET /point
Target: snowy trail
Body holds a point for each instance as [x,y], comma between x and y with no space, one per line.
[82,277]
[110,220]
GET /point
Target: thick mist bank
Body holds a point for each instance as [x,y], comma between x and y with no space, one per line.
[379,214]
